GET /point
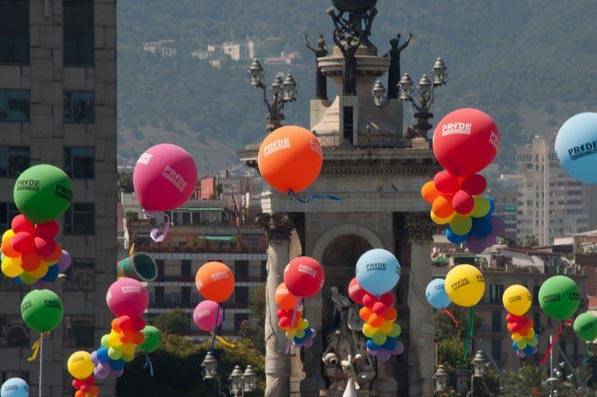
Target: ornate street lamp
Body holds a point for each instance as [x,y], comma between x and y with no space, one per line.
[209,367]
[249,380]
[479,363]
[283,90]
[441,378]
[236,381]
[379,93]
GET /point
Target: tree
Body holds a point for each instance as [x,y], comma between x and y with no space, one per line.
[174,322]
[253,329]
[125,182]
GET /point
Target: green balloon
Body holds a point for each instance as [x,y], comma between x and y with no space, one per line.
[42,310]
[559,297]
[585,326]
[152,339]
[43,192]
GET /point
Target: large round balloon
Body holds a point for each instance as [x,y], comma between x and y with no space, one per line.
[576,147]
[436,294]
[42,310]
[43,192]
[215,281]
[290,158]
[80,365]
[465,285]
[152,339]
[378,271]
[207,315]
[127,297]
[585,326]
[164,177]
[465,141]
[284,299]
[517,299]
[14,387]
[303,277]
[559,297]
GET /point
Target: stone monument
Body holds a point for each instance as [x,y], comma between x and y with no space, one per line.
[376,173]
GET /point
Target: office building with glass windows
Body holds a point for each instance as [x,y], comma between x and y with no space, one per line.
[58,106]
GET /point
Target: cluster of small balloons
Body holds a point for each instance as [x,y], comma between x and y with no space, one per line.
[464,142]
[303,278]
[215,283]
[377,273]
[517,301]
[80,366]
[30,254]
[14,387]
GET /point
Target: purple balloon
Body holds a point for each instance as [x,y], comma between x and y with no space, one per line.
[498,225]
[475,245]
[64,262]
[383,355]
[372,352]
[399,349]
[521,353]
[94,357]
[308,343]
[118,373]
[102,371]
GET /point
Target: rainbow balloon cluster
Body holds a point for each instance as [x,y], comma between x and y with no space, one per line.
[80,365]
[517,301]
[30,253]
[85,387]
[296,327]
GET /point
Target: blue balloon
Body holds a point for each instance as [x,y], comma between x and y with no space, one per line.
[481,227]
[390,344]
[16,281]
[528,350]
[576,147]
[14,387]
[308,332]
[298,341]
[102,355]
[371,345]
[52,273]
[116,365]
[515,345]
[436,294]
[378,271]
[455,238]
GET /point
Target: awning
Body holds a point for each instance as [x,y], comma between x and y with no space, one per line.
[196,209]
[218,238]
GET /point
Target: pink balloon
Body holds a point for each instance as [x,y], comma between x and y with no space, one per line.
[204,315]
[164,177]
[127,297]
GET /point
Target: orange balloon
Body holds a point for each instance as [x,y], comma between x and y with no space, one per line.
[429,192]
[94,390]
[7,249]
[390,314]
[298,317]
[215,281]
[364,313]
[290,159]
[442,207]
[375,320]
[79,393]
[284,299]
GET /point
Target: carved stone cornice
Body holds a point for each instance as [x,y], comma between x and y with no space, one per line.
[379,169]
[278,227]
[418,227]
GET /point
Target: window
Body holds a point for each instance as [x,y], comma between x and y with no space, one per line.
[496,349]
[78,107]
[14,106]
[80,276]
[14,31]
[239,318]
[13,160]
[79,330]
[241,296]
[78,32]
[495,293]
[17,336]
[496,321]
[79,162]
[80,219]
[7,212]
[241,270]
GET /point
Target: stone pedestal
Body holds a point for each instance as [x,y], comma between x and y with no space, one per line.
[421,328]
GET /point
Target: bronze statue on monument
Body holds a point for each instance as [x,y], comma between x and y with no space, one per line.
[394,74]
[321,50]
[348,44]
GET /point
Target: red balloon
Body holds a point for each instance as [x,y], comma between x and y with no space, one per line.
[446,183]
[355,291]
[44,247]
[511,318]
[303,277]
[77,384]
[47,230]
[463,202]
[465,141]
[474,184]
[138,323]
[387,299]
[21,224]
[284,322]
[23,242]
[379,308]
[369,300]
[30,262]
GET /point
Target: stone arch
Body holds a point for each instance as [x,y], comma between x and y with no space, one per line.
[342,230]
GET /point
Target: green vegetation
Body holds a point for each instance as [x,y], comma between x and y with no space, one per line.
[529,64]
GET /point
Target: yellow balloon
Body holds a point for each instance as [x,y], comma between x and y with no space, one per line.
[127,349]
[128,358]
[290,334]
[369,330]
[304,324]
[11,267]
[396,331]
[461,225]
[40,271]
[517,299]
[481,208]
[531,333]
[465,285]
[80,365]
[386,327]
[8,234]
[441,221]
[300,333]
[114,340]
[379,338]
[516,336]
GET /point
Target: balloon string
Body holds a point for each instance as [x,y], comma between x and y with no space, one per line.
[469,333]
[149,364]
[552,344]
[157,235]
[312,197]
[448,313]
[35,350]
[215,330]
[41,361]
[292,325]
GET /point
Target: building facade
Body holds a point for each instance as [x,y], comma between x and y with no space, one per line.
[504,190]
[550,203]
[58,106]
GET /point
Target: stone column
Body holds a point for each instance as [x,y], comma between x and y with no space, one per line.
[277,362]
[421,328]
